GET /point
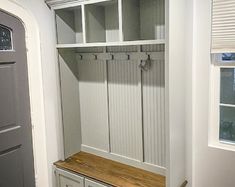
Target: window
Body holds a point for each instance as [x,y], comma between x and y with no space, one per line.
[5,38]
[228,57]
[222,92]
[227,104]
[223,99]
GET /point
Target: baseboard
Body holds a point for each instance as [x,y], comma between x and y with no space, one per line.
[125,160]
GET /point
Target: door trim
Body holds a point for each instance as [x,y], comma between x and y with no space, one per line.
[35,90]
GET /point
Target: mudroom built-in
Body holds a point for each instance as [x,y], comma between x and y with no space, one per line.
[111,58]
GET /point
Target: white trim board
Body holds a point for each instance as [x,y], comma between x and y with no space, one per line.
[125,160]
[35,90]
[55,4]
[102,44]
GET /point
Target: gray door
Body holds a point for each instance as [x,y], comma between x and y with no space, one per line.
[16,155]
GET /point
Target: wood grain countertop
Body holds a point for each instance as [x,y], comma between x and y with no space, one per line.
[110,172]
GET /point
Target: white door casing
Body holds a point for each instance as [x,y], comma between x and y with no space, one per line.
[35,89]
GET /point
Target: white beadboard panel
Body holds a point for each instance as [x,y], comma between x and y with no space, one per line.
[153,89]
[125,160]
[124,88]
[70,102]
[93,104]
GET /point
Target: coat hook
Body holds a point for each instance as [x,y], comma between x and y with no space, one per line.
[81,57]
[145,64]
[95,56]
[112,56]
[128,56]
[149,58]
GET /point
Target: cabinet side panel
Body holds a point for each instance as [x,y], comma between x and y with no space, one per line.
[153,114]
[70,103]
[93,104]
[125,109]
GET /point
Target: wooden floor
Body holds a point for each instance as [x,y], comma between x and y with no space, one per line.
[110,172]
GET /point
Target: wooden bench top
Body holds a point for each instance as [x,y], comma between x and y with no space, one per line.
[110,172]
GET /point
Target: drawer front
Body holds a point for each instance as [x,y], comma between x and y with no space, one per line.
[68,182]
[89,183]
[67,179]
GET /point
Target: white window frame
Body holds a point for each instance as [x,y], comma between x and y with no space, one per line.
[214,95]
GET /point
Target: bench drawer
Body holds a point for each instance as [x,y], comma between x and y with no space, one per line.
[90,183]
[66,179]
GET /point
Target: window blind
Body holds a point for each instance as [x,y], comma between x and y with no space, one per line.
[223,26]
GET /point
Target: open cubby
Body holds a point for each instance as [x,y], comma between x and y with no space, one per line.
[69,25]
[143,19]
[102,23]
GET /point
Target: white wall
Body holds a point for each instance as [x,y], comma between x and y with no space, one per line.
[45,21]
[175,76]
[211,167]
[189,88]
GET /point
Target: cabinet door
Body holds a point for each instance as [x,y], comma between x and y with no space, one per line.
[89,183]
[66,179]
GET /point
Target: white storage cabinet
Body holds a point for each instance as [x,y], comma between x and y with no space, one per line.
[68,179]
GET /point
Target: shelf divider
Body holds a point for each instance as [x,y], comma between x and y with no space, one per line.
[83,23]
[120,20]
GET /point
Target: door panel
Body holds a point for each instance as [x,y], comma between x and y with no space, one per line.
[7,95]
[12,175]
[16,153]
[10,137]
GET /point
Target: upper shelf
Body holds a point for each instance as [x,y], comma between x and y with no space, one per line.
[124,43]
[91,23]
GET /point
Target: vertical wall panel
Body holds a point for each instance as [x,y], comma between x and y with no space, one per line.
[93,104]
[70,102]
[153,88]
[124,86]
